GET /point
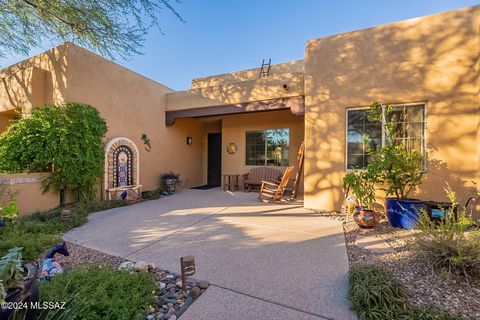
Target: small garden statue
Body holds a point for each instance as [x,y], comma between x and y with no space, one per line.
[50,267]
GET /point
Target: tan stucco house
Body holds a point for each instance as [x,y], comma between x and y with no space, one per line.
[428,67]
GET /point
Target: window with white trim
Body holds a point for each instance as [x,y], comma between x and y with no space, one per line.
[268,147]
[364,135]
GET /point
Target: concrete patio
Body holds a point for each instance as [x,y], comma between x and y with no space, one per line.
[263,261]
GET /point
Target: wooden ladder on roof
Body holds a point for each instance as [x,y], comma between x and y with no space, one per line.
[265,69]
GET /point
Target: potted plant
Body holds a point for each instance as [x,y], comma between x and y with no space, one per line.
[18,284]
[169,181]
[400,171]
[362,184]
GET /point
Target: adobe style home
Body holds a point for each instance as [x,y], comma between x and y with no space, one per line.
[428,67]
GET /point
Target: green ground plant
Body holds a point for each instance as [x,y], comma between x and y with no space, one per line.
[445,245]
[105,293]
[41,230]
[377,295]
[151,195]
[8,206]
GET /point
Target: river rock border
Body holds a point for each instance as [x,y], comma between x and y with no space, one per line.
[171,301]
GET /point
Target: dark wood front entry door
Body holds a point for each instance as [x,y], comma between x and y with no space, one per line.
[214,175]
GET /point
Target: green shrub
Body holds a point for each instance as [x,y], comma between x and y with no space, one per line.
[41,230]
[65,140]
[377,295]
[151,195]
[105,293]
[33,244]
[444,244]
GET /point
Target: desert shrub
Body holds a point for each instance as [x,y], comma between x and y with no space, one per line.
[151,195]
[105,293]
[444,245]
[375,293]
[41,230]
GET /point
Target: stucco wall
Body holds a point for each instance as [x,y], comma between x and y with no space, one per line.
[35,81]
[29,195]
[5,118]
[133,105]
[432,59]
[234,130]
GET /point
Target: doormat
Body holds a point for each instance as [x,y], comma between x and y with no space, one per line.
[206,187]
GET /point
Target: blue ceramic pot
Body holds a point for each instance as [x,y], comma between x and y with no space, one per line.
[403,213]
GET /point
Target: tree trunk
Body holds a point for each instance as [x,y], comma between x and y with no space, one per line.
[63,192]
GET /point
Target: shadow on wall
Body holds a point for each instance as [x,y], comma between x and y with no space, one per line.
[438,177]
[35,81]
[433,59]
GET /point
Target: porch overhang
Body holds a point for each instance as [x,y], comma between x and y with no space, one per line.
[295,104]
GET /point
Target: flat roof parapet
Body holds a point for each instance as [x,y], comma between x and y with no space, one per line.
[247,75]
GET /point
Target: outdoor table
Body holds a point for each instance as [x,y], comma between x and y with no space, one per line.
[230,182]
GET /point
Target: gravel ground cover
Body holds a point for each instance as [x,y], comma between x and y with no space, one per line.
[425,286]
[170,300]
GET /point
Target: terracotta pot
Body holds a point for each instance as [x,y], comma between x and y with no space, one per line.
[366,218]
[65,215]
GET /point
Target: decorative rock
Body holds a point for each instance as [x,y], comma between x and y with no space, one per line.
[171,301]
[171,311]
[203,284]
[141,266]
[195,293]
[151,266]
[127,265]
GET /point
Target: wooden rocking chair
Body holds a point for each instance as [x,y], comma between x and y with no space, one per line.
[273,190]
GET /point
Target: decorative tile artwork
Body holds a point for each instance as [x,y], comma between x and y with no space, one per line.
[122,159]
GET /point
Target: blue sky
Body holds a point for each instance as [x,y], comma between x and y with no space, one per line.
[221,36]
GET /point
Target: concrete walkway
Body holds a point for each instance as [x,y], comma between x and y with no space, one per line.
[263,261]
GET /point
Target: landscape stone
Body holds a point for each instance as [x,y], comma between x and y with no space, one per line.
[141,266]
[195,292]
[203,284]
